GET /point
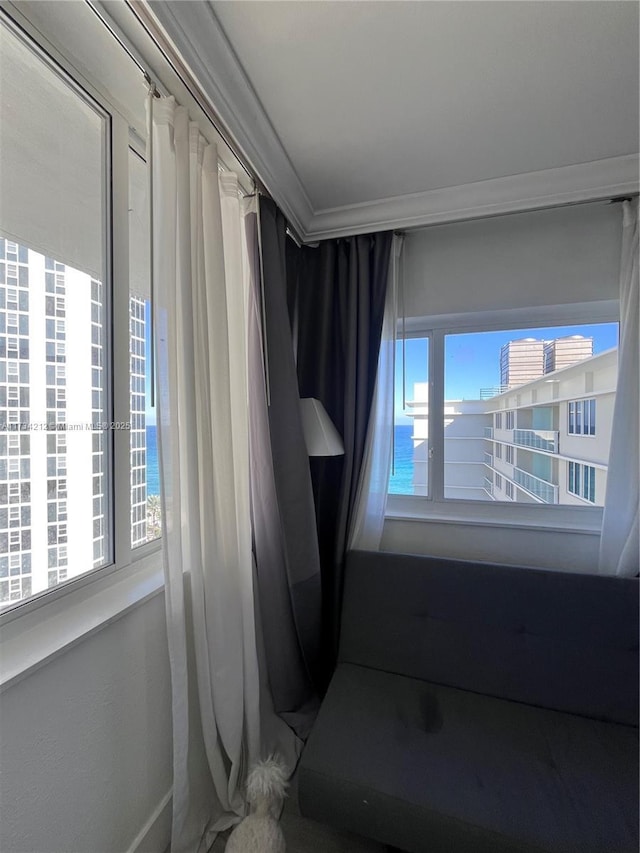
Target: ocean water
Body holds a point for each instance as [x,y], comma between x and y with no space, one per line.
[153,473]
[401,478]
[400,481]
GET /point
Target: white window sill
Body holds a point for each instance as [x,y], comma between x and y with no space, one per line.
[563,519]
[31,640]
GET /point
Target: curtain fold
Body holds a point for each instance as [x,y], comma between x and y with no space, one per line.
[341,289]
[288,565]
[201,299]
[270,590]
[371,501]
[619,542]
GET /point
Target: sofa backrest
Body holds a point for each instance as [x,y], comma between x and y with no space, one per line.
[554,639]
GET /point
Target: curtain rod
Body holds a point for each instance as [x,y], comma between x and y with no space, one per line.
[119,38]
[150,79]
[148,23]
[615,200]
[170,56]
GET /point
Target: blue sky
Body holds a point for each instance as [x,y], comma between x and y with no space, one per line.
[472,361]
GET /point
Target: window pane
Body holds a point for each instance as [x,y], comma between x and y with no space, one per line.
[410,468]
[145,481]
[52,407]
[537,379]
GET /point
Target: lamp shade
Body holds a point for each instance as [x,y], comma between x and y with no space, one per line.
[321,436]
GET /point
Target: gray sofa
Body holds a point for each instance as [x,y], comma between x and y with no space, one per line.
[480,708]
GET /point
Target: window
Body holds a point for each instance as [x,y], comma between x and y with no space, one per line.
[519,380]
[582,417]
[145,480]
[582,481]
[62,374]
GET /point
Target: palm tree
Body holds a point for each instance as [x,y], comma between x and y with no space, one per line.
[154,517]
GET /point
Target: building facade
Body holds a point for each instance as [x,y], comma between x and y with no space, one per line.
[545,441]
[137,371]
[548,440]
[53,439]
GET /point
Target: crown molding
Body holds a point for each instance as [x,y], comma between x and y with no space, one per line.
[203,46]
[582,182]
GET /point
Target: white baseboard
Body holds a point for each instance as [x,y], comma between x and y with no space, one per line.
[155,835]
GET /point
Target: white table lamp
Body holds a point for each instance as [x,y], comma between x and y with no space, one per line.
[321,436]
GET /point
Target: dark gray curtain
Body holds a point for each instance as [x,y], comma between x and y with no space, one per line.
[285,540]
[339,295]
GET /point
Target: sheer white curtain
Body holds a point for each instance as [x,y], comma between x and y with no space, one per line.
[366,530]
[619,543]
[201,297]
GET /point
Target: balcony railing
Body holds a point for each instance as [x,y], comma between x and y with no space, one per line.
[540,439]
[488,459]
[493,391]
[488,486]
[488,432]
[545,491]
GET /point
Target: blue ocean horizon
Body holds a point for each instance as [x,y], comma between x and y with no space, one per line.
[401,477]
[153,470]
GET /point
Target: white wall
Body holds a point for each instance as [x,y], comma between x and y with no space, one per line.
[550,257]
[85,743]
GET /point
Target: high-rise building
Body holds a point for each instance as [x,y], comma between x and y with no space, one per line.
[138,422]
[527,359]
[54,431]
[561,352]
[521,361]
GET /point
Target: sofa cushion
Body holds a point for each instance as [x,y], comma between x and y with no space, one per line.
[434,769]
[559,640]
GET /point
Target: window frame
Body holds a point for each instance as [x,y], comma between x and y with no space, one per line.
[121,556]
[435,507]
[582,410]
[583,477]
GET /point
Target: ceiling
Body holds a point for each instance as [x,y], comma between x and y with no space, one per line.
[365,115]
